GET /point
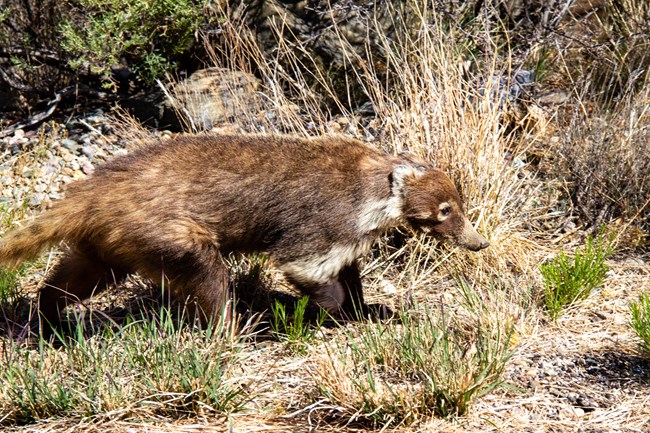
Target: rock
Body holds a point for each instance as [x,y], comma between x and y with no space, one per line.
[68,157]
[87,168]
[553,98]
[87,139]
[548,369]
[119,152]
[586,403]
[36,199]
[88,151]
[70,144]
[212,96]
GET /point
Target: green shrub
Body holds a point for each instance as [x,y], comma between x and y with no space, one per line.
[568,280]
[641,319]
[149,34]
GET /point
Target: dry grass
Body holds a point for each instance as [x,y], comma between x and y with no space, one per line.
[581,373]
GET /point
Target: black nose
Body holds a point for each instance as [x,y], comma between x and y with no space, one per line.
[484,245]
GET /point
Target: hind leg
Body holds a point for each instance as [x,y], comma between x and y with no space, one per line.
[197,279]
[79,273]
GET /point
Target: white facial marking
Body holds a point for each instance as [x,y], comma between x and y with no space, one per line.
[444,211]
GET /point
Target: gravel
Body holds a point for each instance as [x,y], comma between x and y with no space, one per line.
[36,165]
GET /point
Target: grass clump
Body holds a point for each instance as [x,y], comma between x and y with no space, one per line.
[149,367]
[9,286]
[430,363]
[641,319]
[568,280]
[294,329]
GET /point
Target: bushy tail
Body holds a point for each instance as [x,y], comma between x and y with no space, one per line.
[47,230]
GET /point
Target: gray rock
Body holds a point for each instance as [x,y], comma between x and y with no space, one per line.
[36,199]
[69,144]
[88,151]
[213,96]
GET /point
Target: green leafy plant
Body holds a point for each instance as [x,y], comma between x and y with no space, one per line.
[294,329]
[149,34]
[568,280]
[641,319]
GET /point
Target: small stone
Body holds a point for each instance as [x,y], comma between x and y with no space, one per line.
[86,139]
[387,287]
[40,187]
[532,372]
[553,98]
[587,403]
[87,168]
[548,368]
[70,144]
[36,199]
[19,134]
[88,151]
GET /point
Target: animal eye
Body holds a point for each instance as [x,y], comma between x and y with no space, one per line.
[445,211]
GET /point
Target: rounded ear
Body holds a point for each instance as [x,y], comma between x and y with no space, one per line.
[400,175]
[412,160]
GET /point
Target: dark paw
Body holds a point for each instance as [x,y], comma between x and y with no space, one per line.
[378,312]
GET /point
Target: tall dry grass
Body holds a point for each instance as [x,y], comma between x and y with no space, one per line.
[419,96]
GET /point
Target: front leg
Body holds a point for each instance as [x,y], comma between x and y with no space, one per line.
[341,296]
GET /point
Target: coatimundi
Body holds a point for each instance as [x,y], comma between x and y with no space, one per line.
[174,209]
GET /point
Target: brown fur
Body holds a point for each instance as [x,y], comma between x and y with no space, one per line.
[172,210]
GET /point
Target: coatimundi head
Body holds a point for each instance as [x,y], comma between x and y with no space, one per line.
[431,204]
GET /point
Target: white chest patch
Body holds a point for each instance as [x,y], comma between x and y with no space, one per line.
[379,214]
[322,268]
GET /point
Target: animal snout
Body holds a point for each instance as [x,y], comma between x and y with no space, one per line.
[471,239]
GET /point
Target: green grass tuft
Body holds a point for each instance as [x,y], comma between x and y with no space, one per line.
[568,280]
[149,367]
[641,319]
[294,329]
